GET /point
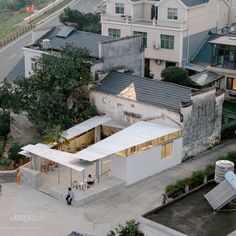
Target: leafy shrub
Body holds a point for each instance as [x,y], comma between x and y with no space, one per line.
[5,162]
[228,131]
[209,170]
[14,152]
[4,124]
[2,142]
[130,229]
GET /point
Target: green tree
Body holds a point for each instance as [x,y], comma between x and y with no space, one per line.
[4,124]
[86,22]
[56,94]
[132,228]
[14,151]
[52,135]
[175,75]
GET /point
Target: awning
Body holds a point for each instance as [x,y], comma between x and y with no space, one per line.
[194,67]
[135,134]
[225,40]
[84,126]
[61,157]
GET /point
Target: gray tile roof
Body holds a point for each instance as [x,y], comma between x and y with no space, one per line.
[81,39]
[193,3]
[18,71]
[155,92]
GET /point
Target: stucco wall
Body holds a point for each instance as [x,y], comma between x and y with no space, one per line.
[30,177]
[123,52]
[115,107]
[145,163]
[202,123]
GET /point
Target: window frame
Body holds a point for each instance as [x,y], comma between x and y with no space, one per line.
[167,153]
[119,8]
[167,41]
[172,13]
[115,34]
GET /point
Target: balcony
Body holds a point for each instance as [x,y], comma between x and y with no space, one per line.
[144,22]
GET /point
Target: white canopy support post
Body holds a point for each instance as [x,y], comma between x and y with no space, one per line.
[58,173]
[98,169]
[83,177]
[70,177]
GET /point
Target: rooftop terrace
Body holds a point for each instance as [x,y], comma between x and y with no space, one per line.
[193,215]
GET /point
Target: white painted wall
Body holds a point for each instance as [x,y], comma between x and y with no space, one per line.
[145,163]
[222,15]
[232,12]
[28,55]
[114,107]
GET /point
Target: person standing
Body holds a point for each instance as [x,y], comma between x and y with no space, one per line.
[18,177]
[69,196]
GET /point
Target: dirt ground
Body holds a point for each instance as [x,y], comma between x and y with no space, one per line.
[22,130]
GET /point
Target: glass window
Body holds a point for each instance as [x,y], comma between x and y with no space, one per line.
[120,9]
[172,13]
[234,84]
[166,150]
[167,41]
[144,34]
[115,33]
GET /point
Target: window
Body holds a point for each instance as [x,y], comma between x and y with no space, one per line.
[120,9]
[166,150]
[33,64]
[231,83]
[170,63]
[172,13]
[167,41]
[144,34]
[115,33]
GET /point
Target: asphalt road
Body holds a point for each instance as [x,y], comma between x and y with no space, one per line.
[12,53]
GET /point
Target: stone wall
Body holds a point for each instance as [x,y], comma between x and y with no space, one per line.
[202,122]
[7,176]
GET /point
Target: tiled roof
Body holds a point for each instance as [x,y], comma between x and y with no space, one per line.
[204,54]
[81,39]
[145,90]
[18,70]
[192,3]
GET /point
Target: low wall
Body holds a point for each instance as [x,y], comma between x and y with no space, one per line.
[30,177]
[7,176]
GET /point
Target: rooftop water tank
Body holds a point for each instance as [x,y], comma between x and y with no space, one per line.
[221,168]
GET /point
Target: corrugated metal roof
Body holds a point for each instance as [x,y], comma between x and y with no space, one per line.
[193,3]
[81,39]
[205,78]
[84,126]
[145,90]
[133,135]
[18,70]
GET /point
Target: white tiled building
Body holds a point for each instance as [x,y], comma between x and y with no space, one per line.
[173,30]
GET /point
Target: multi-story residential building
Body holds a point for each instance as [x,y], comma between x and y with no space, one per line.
[106,53]
[173,30]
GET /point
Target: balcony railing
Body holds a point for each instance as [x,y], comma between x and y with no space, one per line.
[145,22]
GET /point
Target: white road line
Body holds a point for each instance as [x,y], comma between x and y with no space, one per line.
[12,56]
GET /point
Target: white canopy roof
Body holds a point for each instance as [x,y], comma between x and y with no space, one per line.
[84,126]
[63,158]
[135,134]
[225,40]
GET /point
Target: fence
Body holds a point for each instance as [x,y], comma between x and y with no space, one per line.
[17,34]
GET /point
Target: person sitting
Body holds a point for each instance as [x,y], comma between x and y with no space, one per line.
[90,181]
[69,196]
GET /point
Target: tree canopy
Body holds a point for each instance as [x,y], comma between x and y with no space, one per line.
[175,75]
[86,22]
[56,94]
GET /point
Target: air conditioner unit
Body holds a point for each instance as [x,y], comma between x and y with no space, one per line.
[156,45]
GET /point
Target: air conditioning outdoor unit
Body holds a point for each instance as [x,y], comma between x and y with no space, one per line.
[156,45]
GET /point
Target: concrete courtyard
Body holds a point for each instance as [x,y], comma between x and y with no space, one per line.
[26,211]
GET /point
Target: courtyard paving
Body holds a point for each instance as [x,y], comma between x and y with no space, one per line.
[25,211]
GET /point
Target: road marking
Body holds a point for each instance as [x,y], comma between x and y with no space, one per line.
[12,56]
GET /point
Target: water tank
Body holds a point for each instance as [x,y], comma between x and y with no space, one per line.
[222,167]
[46,44]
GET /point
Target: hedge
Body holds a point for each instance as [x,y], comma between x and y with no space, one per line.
[5,162]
